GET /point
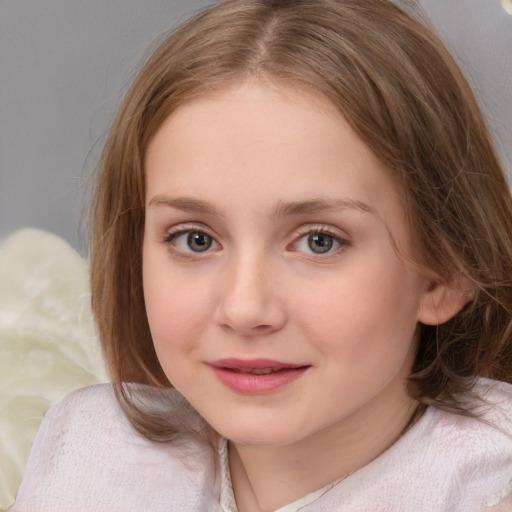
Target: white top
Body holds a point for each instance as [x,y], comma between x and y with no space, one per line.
[87,457]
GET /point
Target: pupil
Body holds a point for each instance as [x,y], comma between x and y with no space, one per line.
[320,243]
[199,242]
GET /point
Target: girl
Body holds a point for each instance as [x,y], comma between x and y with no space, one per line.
[301,265]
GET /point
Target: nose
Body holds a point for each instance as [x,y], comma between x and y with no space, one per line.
[250,299]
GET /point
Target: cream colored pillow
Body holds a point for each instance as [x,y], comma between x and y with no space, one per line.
[48,344]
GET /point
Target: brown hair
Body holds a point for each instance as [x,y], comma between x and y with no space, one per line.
[401,91]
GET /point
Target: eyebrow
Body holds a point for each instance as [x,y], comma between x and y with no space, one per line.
[186,204]
[321,205]
[279,210]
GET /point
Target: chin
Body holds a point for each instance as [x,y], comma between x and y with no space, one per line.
[254,434]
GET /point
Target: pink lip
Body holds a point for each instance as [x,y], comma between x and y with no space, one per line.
[236,374]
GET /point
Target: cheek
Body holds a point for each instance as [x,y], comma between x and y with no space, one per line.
[176,311]
[367,317]
[175,324]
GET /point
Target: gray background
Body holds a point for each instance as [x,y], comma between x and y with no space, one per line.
[64,65]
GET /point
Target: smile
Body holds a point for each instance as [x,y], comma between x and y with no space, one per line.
[256,376]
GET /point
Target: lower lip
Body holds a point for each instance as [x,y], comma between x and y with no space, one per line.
[251,383]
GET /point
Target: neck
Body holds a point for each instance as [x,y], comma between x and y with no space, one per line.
[267,478]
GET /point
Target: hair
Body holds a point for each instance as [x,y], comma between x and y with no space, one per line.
[401,91]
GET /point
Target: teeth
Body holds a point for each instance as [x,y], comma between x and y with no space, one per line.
[259,371]
[262,371]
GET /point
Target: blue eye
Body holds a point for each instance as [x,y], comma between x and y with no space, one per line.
[192,241]
[318,243]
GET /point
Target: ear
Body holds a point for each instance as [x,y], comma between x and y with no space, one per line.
[441,302]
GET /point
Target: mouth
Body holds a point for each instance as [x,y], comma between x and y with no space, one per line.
[258,375]
[257,371]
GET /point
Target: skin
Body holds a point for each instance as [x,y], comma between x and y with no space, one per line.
[261,291]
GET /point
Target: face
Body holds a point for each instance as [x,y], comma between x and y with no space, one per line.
[275,296]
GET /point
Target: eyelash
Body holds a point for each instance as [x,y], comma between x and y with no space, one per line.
[342,242]
[170,241]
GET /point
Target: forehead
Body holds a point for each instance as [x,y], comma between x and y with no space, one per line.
[261,144]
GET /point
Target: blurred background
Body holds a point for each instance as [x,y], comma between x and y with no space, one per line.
[64,65]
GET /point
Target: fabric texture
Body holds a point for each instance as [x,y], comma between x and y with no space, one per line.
[88,457]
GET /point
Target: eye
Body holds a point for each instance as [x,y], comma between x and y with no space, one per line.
[319,242]
[192,241]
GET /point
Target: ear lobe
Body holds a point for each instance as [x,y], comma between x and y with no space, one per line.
[441,302]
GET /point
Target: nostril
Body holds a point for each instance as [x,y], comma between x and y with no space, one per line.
[248,330]
[262,328]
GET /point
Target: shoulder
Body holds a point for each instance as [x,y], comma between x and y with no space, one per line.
[486,445]
[444,462]
[493,458]
[86,416]
[82,405]
[473,454]
[491,415]
[496,407]
[87,456]
[484,439]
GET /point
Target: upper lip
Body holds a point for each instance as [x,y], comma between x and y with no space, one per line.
[254,364]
